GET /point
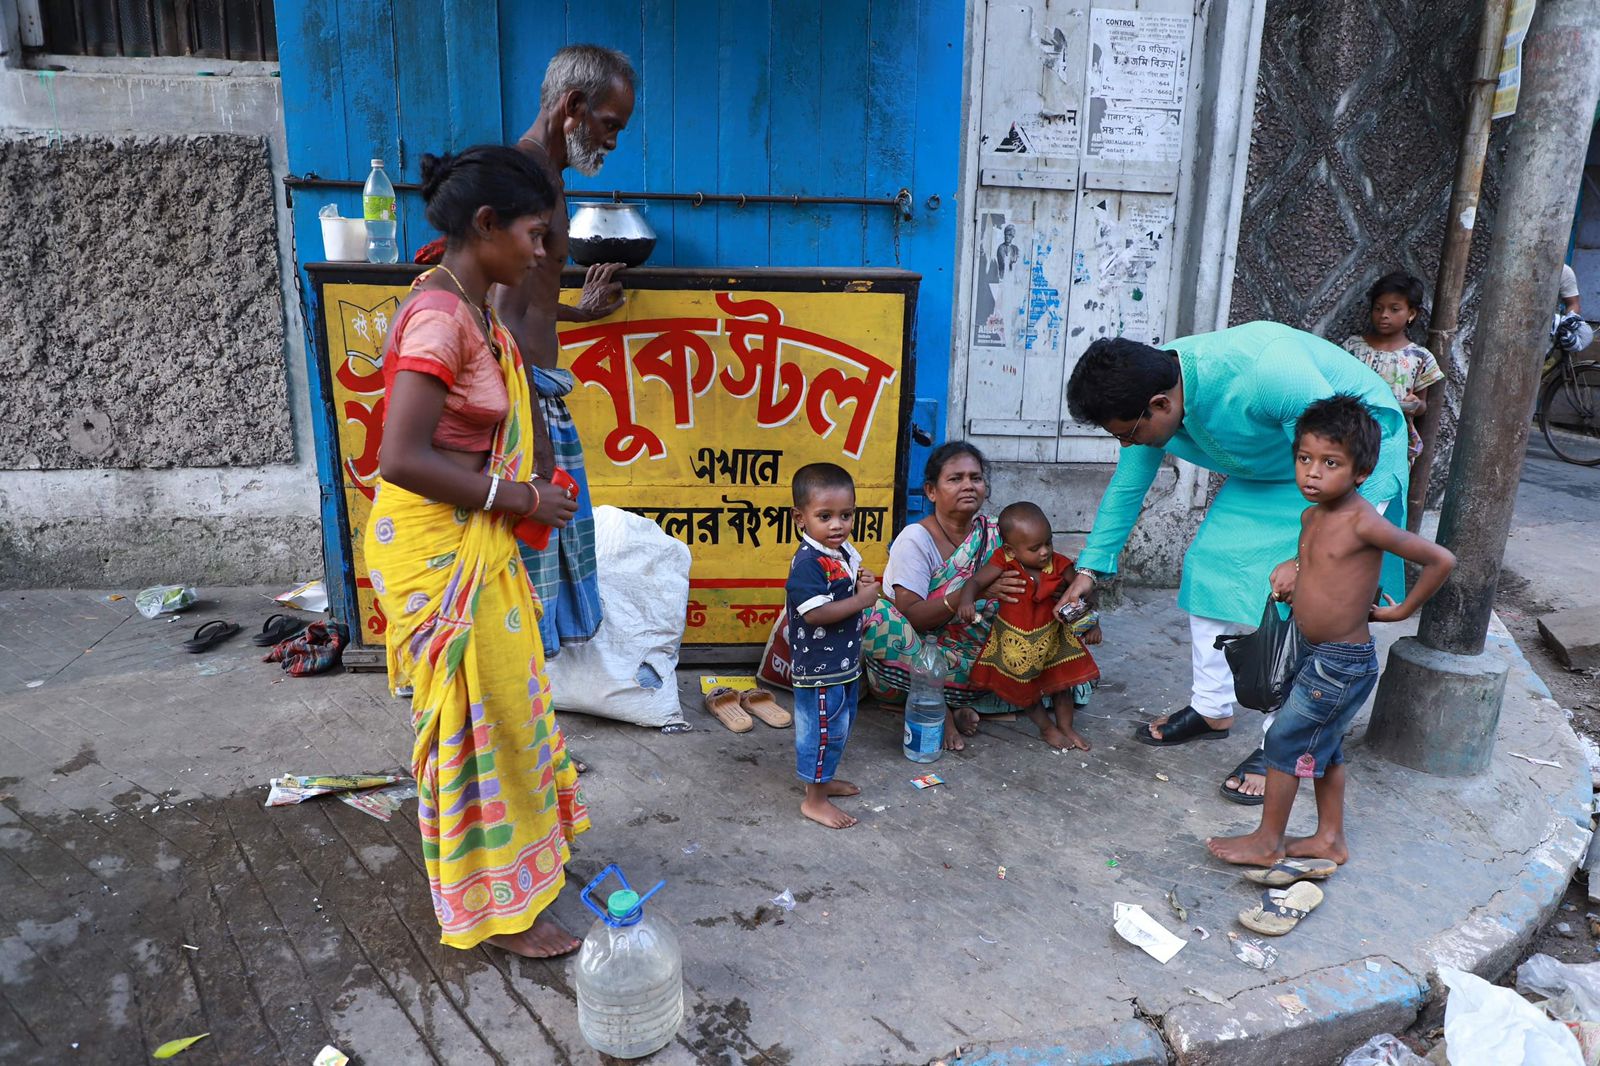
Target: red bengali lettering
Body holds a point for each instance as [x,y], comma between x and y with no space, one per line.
[683,361]
[604,363]
[779,388]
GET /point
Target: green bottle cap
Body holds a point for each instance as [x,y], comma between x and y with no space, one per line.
[622,903]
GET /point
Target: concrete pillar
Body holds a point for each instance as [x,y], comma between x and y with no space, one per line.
[1439,700]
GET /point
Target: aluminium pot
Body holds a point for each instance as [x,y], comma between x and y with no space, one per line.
[609,233]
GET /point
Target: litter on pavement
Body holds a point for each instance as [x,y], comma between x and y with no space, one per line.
[1252,951]
[293,788]
[1142,931]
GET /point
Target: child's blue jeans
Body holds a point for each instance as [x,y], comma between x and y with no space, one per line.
[822,720]
[1307,734]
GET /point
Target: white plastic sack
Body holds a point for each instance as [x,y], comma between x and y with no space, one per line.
[1572,991]
[627,670]
[1489,1026]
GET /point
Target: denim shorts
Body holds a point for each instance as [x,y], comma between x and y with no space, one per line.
[1334,681]
[822,720]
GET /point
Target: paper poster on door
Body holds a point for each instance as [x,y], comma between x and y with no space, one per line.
[1050,136]
[1128,248]
[1138,80]
[1139,57]
[1002,281]
[1126,133]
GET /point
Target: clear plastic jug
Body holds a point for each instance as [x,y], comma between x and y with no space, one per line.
[629,974]
[925,706]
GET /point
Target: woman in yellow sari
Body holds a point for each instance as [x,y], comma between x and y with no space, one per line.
[499,798]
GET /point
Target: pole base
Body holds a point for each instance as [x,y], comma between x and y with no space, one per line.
[1437,712]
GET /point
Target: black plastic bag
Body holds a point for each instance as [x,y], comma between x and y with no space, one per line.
[1264,662]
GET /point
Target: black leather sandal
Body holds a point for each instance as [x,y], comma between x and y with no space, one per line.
[1255,764]
[1182,727]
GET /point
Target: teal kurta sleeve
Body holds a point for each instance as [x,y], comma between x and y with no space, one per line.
[1286,385]
[1120,506]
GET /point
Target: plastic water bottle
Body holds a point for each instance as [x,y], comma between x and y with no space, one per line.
[630,975]
[377,207]
[925,706]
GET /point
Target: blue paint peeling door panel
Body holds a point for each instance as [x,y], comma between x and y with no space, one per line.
[810,97]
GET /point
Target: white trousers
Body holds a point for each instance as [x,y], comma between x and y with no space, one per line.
[1212,694]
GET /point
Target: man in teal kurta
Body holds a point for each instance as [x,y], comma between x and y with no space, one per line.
[1225,401]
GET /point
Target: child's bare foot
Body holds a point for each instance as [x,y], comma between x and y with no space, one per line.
[838,787]
[1318,846]
[966,721]
[819,810]
[1057,730]
[1252,849]
[545,939]
[952,735]
[1054,737]
[1049,732]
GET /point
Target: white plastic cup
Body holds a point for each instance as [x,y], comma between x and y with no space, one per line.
[344,240]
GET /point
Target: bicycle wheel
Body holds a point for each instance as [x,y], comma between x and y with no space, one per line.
[1569,414]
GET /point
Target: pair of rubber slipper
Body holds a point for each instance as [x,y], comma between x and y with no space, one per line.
[276,629]
[738,710]
[1290,894]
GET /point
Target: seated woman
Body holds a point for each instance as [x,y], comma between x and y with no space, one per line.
[929,562]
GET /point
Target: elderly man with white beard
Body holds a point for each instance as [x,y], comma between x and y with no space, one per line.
[585,101]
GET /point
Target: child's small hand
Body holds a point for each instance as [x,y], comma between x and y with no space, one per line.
[967,612]
[867,586]
[1092,636]
[1283,579]
[1388,612]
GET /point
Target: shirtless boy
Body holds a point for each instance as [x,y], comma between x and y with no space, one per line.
[1331,583]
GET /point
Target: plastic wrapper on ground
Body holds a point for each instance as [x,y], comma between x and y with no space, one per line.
[1384,1050]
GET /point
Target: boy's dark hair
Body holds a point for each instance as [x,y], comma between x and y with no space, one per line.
[1021,513]
[1116,377]
[1397,283]
[947,451]
[1344,420]
[485,175]
[819,477]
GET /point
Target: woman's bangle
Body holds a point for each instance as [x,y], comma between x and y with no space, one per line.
[494,489]
[946,600]
[1090,574]
[536,499]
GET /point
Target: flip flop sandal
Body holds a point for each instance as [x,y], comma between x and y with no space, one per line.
[1255,764]
[1289,871]
[209,635]
[758,703]
[277,629]
[1180,728]
[1281,909]
[723,705]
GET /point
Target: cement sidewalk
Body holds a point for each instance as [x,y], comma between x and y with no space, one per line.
[132,826]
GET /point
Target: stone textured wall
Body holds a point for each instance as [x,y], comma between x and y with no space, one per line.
[1359,108]
[144,316]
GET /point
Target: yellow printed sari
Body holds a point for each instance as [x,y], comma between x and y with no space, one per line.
[498,797]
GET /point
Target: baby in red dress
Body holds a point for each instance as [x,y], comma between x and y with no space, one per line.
[1033,652]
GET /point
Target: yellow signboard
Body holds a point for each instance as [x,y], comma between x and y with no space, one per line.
[696,406]
[357,318]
